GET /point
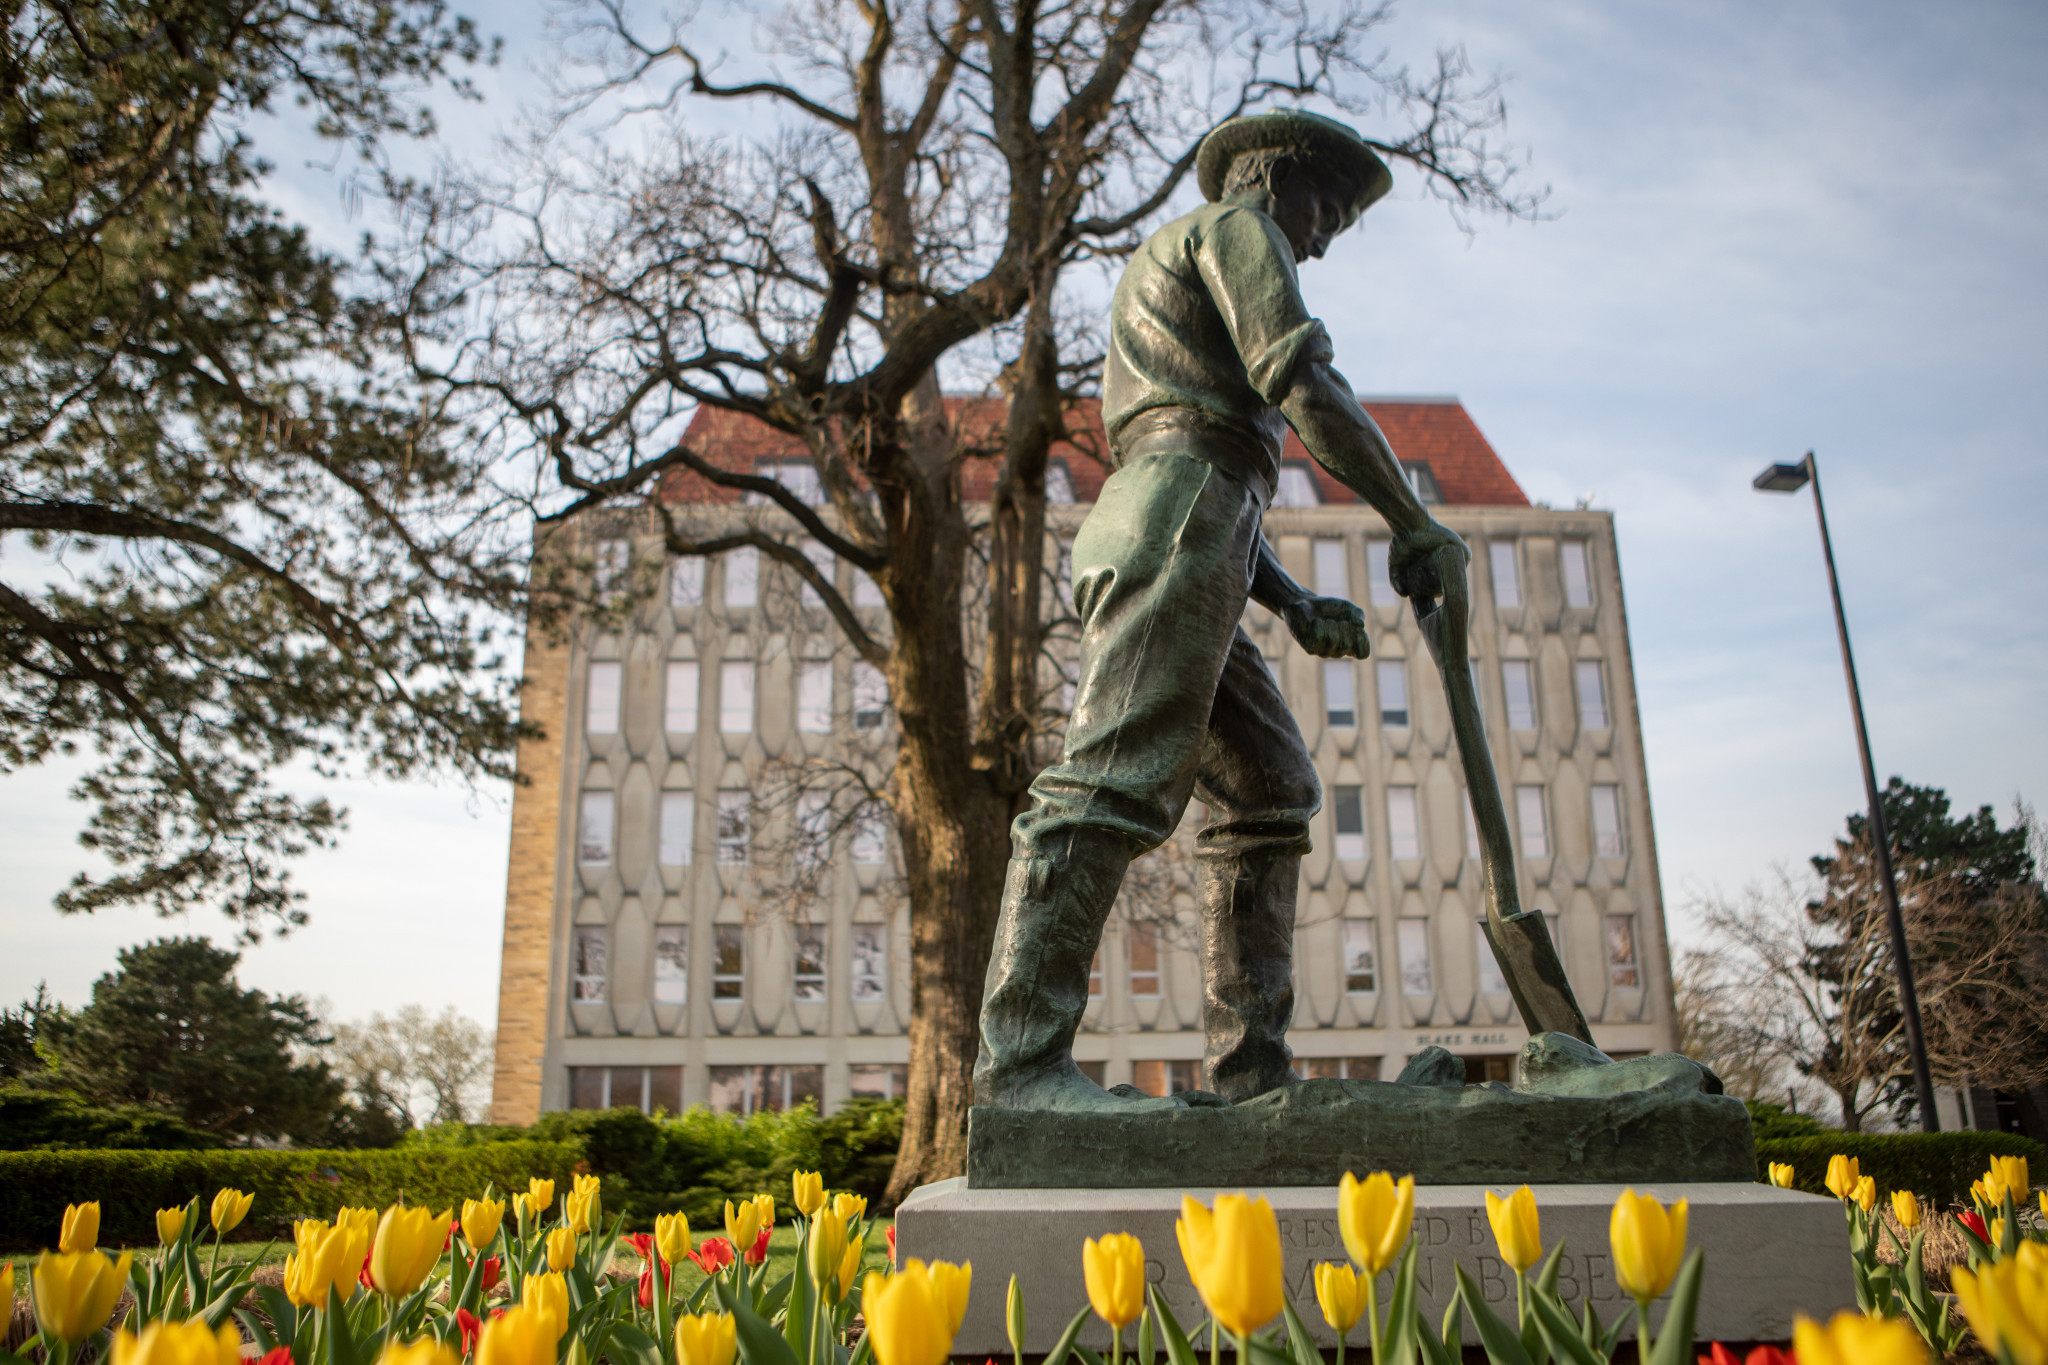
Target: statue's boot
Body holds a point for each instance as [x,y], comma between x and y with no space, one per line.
[1054,906]
[1247,904]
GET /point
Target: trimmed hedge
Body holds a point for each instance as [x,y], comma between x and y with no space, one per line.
[1938,1167]
[131,1186]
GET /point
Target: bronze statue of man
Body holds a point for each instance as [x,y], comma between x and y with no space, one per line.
[1213,354]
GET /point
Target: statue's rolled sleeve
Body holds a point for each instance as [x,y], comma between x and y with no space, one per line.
[1249,270]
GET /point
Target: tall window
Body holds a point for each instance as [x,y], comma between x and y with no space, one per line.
[824,561]
[742,577]
[1607,820]
[870,836]
[672,964]
[798,476]
[686,582]
[1492,981]
[1340,692]
[1347,811]
[813,828]
[1297,487]
[594,844]
[1144,955]
[651,1089]
[814,697]
[1059,484]
[611,561]
[734,818]
[679,705]
[1507,577]
[1338,1068]
[1361,958]
[1383,594]
[592,948]
[1159,1077]
[1592,695]
[755,1089]
[808,980]
[1621,953]
[601,699]
[1578,578]
[1404,828]
[1333,578]
[728,961]
[1529,814]
[1393,680]
[1519,685]
[736,697]
[1412,938]
[678,828]
[872,1081]
[870,962]
[870,697]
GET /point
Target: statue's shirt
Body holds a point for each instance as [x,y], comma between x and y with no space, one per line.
[1206,332]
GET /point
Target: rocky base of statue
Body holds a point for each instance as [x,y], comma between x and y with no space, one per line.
[1577,1117]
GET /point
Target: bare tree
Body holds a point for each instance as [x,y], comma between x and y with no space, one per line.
[412,1059]
[926,177]
[1715,1027]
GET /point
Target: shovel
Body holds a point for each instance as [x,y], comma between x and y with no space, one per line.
[1520,942]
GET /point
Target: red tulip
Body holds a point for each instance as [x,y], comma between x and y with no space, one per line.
[647,1283]
[890,1232]
[1762,1355]
[1974,1221]
[642,1244]
[494,1270]
[454,1226]
[276,1355]
[760,1251]
[471,1328]
[712,1255]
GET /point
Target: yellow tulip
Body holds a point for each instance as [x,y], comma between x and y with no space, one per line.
[1865,1193]
[849,1264]
[807,1191]
[742,1225]
[950,1284]
[548,1295]
[230,1207]
[672,1237]
[706,1339]
[1782,1175]
[177,1343]
[850,1206]
[577,1208]
[764,1209]
[1233,1255]
[323,1263]
[1340,1293]
[1852,1339]
[7,1284]
[1842,1176]
[1373,1215]
[522,1207]
[2007,1303]
[425,1351]
[520,1335]
[364,1220]
[1648,1241]
[2008,1175]
[408,1243]
[480,1221]
[908,1320]
[74,1294]
[561,1244]
[587,1185]
[1906,1208]
[539,1194]
[1997,1238]
[1113,1268]
[169,1223]
[1515,1228]
[826,1246]
[81,1228]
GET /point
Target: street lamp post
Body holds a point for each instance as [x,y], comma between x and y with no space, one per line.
[1790,478]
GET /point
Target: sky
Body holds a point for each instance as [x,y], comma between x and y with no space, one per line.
[1771,229]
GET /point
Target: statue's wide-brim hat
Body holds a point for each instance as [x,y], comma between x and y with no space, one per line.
[1334,147]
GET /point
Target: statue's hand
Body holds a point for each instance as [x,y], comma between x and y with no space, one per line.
[1329,627]
[1411,559]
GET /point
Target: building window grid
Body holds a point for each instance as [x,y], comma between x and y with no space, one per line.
[743,577]
[1338,1068]
[870,697]
[594,840]
[1393,681]
[1347,815]
[680,697]
[814,697]
[825,562]
[869,962]
[611,562]
[1507,577]
[672,964]
[601,698]
[1606,803]
[1361,957]
[1412,941]
[735,816]
[686,582]
[1574,560]
[736,697]
[1382,585]
[1622,973]
[678,831]
[807,977]
[650,1089]
[728,961]
[1160,1077]
[1592,695]
[588,972]
[1333,576]
[753,1089]
[1142,959]
[1340,693]
[1518,686]
[1534,828]
[1492,980]
[1404,824]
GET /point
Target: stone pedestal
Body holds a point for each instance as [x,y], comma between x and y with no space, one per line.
[1770,1252]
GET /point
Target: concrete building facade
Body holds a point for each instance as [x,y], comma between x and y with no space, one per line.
[696,916]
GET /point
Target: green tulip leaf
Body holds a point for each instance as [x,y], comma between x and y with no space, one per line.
[1299,1343]
[1179,1351]
[1065,1345]
[631,1346]
[1086,1355]
[1674,1338]
[1147,1352]
[1560,1332]
[1503,1347]
[759,1343]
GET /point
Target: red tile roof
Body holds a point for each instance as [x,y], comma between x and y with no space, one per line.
[1437,431]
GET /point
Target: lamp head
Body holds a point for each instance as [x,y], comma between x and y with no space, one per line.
[1781,478]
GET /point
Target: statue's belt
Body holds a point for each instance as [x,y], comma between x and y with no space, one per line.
[1163,431]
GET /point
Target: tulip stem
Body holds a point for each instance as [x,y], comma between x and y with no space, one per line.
[1642,1330]
[1116,1344]
[1521,1298]
[1244,1348]
[1340,1348]
[1215,1352]
[1372,1313]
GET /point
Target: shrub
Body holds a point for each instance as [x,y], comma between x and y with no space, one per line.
[1772,1121]
[1936,1166]
[35,1118]
[131,1186]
